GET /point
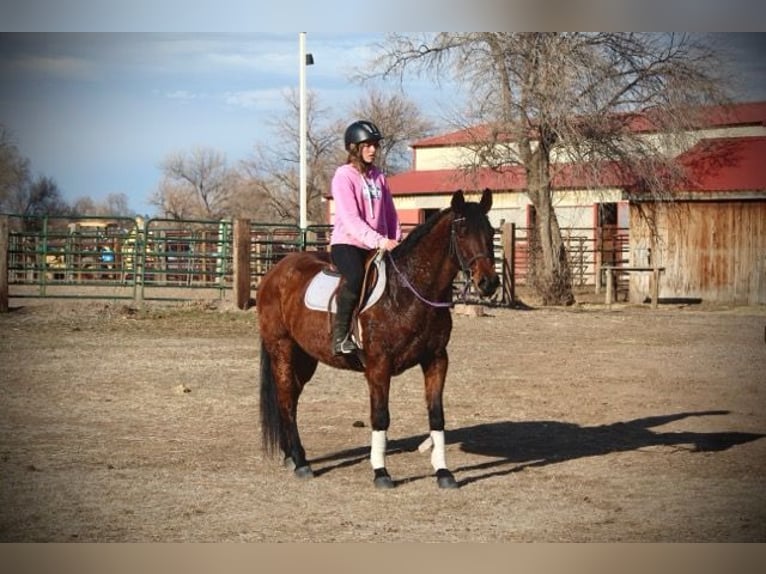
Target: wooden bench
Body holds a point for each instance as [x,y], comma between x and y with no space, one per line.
[613,270]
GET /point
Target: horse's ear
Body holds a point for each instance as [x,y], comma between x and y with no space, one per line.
[458,201]
[486,200]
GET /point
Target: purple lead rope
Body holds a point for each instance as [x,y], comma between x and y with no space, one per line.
[440,304]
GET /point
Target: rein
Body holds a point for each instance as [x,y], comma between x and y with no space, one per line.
[465,267]
[403,277]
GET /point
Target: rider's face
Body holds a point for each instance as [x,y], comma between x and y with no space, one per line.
[369,150]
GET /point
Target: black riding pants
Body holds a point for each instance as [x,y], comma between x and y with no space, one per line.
[350,260]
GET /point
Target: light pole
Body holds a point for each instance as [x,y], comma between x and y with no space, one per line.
[304,60]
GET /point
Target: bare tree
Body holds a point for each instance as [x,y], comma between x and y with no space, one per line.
[114,204]
[197,183]
[545,101]
[272,175]
[401,121]
[43,197]
[84,206]
[14,174]
[22,194]
[247,200]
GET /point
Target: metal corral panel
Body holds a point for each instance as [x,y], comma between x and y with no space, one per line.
[712,250]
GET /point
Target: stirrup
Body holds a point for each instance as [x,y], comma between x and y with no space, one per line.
[345,346]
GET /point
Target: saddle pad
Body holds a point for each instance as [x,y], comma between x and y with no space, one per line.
[324,284]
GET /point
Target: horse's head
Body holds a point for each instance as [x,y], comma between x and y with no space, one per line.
[472,241]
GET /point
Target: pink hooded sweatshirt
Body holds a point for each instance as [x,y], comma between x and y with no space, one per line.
[364,208]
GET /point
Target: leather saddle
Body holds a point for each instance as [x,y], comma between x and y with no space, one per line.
[321,291]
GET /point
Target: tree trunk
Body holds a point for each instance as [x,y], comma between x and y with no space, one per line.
[550,272]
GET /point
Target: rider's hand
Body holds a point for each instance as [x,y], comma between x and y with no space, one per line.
[387,244]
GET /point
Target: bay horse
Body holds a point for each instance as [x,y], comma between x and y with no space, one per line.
[409,325]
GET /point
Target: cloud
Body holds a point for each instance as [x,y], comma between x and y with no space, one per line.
[266,57]
[215,54]
[268,99]
[183,95]
[253,100]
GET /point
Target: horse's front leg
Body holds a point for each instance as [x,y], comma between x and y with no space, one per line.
[379,382]
[435,373]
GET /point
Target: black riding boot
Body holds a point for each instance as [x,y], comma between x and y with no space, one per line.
[342,343]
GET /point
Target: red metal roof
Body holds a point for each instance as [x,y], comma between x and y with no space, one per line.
[748,113]
[450,180]
[726,164]
[465,136]
[723,164]
[514,178]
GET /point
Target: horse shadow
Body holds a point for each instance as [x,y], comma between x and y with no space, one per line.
[515,446]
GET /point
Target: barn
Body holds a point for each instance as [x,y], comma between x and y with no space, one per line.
[712,239]
[711,243]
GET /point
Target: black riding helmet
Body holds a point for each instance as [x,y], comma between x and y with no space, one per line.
[362,131]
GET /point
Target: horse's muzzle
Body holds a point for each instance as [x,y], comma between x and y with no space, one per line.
[488,284]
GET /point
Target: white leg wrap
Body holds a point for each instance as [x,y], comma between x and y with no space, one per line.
[378,449]
[438,453]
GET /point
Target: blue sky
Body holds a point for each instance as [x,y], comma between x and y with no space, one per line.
[98,112]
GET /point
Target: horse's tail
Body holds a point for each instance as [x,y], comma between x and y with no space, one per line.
[270,419]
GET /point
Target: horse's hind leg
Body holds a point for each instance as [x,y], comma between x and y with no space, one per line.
[291,376]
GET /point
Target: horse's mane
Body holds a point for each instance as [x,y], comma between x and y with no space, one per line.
[414,236]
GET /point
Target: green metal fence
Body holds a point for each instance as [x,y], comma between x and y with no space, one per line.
[167,259]
[68,257]
[125,258]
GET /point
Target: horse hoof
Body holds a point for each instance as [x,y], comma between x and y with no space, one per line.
[304,472]
[382,479]
[288,463]
[445,479]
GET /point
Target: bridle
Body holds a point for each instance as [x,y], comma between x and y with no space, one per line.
[465,268]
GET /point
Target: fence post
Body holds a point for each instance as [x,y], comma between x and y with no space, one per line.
[241,261]
[598,257]
[655,261]
[509,262]
[610,278]
[4,246]
[140,246]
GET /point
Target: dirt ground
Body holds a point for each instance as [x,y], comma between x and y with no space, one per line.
[124,423]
